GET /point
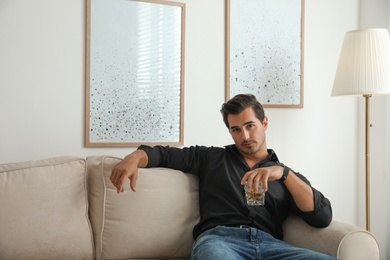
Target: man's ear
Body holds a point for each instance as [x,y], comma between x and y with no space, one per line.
[265,123]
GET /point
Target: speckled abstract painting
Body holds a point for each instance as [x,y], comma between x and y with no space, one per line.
[266,51]
[135,72]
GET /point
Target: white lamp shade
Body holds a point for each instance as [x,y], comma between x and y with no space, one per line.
[364,64]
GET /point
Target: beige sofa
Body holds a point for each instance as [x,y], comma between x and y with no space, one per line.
[66,208]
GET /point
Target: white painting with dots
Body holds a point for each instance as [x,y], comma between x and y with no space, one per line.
[265,53]
[135,80]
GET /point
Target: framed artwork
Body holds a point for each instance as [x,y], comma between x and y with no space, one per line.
[134,73]
[264,51]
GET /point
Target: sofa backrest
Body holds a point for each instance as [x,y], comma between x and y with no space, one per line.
[44,210]
[153,222]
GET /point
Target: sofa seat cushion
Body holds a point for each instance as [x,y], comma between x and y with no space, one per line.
[154,222]
[44,210]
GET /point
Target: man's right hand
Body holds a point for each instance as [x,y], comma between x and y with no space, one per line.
[128,169]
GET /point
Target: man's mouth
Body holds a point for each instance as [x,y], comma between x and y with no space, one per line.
[247,143]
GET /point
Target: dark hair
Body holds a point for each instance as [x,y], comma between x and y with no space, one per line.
[239,103]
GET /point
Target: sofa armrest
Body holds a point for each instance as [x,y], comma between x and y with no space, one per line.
[341,240]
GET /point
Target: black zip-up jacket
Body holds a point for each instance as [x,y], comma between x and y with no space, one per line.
[221,195]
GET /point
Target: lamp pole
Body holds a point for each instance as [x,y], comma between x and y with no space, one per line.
[368,125]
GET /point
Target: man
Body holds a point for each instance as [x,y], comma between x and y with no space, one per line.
[229,228]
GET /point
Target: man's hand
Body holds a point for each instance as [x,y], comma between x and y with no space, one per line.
[301,192]
[128,169]
[263,175]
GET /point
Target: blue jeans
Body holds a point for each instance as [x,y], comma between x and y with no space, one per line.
[234,243]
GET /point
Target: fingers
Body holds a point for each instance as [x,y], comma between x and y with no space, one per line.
[115,178]
[120,183]
[255,177]
[120,174]
[262,175]
[133,181]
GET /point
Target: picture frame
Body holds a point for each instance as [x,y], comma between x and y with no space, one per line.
[265,51]
[134,84]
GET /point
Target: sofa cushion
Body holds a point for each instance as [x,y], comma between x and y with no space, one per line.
[44,210]
[153,222]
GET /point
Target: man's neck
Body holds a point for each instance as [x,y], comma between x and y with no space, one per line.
[253,159]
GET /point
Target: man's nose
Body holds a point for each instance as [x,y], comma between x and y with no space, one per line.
[245,135]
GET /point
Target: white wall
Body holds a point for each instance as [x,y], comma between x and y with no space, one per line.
[42,91]
[385,241]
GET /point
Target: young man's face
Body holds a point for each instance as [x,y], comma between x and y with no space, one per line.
[248,132]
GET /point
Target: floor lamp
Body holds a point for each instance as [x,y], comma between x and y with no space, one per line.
[364,69]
